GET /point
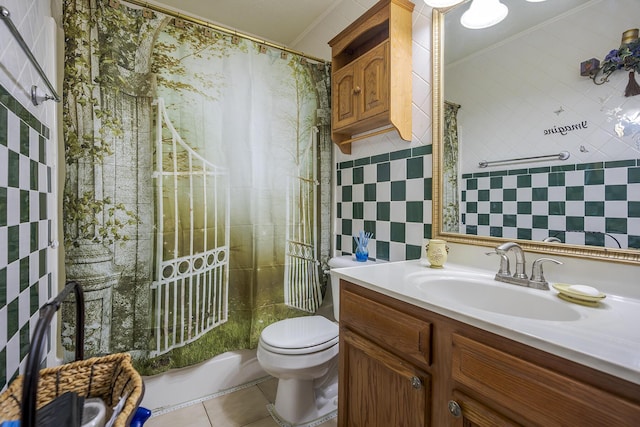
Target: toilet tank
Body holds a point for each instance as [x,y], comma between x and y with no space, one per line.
[340,262]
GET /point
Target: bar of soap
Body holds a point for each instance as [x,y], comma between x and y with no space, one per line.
[585,290]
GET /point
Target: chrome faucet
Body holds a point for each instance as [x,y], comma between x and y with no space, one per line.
[520,278]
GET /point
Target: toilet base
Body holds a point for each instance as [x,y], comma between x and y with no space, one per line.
[311,403]
[311,423]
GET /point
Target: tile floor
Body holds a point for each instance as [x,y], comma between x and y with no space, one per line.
[243,408]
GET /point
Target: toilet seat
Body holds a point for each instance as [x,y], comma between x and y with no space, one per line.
[300,335]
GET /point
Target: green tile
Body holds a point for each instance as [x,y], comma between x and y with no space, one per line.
[24,341]
[13,243]
[563,168]
[34,300]
[14,169]
[633,175]
[3,363]
[4,128]
[495,207]
[358,210]
[472,184]
[45,131]
[519,172]
[594,209]
[556,179]
[398,232]
[24,206]
[399,190]
[24,139]
[471,230]
[380,158]
[400,154]
[422,150]
[498,173]
[524,233]
[540,221]
[615,192]
[415,167]
[382,251]
[339,177]
[481,175]
[463,196]
[339,210]
[24,273]
[509,220]
[346,165]
[575,193]
[544,169]
[483,195]
[412,252]
[633,209]
[587,166]
[338,242]
[495,231]
[33,175]
[12,318]
[3,206]
[467,175]
[370,227]
[539,194]
[495,182]
[594,239]
[524,181]
[556,208]
[615,225]
[575,223]
[42,155]
[384,172]
[383,211]
[34,236]
[3,287]
[633,242]
[427,231]
[524,208]
[594,177]
[347,227]
[483,219]
[362,162]
[428,189]
[43,262]
[347,193]
[620,164]
[358,175]
[509,194]
[414,211]
[472,207]
[370,192]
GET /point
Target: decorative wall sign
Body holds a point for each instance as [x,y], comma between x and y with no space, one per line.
[562,130]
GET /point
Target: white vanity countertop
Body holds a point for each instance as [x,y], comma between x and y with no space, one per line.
[606,338]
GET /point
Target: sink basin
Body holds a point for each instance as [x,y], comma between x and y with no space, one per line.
[486,294]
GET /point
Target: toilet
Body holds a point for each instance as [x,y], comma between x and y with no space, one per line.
[302,353]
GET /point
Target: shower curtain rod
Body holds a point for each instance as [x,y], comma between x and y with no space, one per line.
[36,95]
[175,14]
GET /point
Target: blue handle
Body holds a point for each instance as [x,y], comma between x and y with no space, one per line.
[140,417]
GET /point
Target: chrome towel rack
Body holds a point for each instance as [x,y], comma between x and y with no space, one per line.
[37,96]
[563,155]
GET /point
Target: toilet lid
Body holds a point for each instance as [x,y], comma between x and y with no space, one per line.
[300,335]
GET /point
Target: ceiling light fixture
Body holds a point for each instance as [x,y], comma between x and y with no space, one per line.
[442,3]
[483,14]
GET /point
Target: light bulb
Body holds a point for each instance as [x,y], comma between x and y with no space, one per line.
[483,14]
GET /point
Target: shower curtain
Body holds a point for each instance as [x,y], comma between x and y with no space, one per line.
[197,184]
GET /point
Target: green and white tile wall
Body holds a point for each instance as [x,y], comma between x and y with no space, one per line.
[25,230]
[590,203]
[388,195]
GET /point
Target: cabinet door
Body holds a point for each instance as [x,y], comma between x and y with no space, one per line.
[373,82]
[344,97]
[378,389]
[467,412]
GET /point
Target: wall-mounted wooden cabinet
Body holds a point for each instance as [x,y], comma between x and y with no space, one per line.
[371,74]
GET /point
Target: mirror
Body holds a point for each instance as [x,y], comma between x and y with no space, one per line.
[527,149]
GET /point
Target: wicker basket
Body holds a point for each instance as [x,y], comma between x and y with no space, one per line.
[108,377]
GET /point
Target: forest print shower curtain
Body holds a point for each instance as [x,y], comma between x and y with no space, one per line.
[197,184]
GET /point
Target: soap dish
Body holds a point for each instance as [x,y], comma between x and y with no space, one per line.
[568,293]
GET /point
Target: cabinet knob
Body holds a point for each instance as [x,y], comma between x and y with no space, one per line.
[357,90]
[416,383]
[454,408]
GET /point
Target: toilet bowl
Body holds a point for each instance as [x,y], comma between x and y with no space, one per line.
[302,353]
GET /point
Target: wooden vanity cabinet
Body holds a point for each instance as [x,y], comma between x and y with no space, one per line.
[371,73]
[401,365]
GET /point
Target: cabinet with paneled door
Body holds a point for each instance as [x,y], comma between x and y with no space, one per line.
[371,74]
[404,365]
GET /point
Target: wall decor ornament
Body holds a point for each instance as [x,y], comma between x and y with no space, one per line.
[626,57]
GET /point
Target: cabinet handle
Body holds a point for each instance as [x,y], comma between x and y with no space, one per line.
[416,383]
[357,90]
[454,408]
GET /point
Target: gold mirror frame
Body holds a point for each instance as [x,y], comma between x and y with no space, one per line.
[589,252]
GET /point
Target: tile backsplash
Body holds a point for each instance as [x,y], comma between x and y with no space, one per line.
[588,203]
[388,195]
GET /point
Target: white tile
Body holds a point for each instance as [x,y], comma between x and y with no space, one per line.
[383,231]
[397,251]
[414,233]
[370,173]
[358,193]
[370,211]
[399,170]
[615,209]
[415,189]
[383,191]
[398,211]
